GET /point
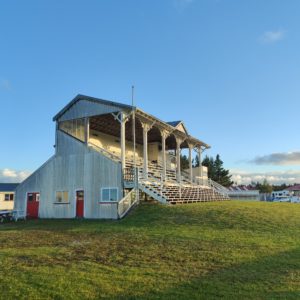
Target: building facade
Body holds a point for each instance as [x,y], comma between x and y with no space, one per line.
[105,151]
[7,195]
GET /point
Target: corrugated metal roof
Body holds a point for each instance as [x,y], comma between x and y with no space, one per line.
[173,124]
[8,187]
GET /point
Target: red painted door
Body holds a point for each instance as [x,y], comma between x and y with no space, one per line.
[33,200]
[79,204]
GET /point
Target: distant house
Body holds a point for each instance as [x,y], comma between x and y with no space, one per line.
[243,192]
[295,189]
[7,195]
[105,152]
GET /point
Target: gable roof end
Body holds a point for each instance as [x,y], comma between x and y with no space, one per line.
[174,123]
[91,99]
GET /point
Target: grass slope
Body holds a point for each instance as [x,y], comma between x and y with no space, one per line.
[234,250]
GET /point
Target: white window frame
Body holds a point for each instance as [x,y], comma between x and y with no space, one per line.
[62,191]
[108,188]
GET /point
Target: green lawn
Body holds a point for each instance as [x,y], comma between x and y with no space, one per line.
[233,250]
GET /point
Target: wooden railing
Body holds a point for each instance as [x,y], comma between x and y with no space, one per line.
[219,188]
[105,152]
[127,202]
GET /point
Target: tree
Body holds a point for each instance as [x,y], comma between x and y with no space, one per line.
[265,187]
[221,175]
[210,164]
[184,162]
[216,171]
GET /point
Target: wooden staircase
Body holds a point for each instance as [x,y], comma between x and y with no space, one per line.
[168,190]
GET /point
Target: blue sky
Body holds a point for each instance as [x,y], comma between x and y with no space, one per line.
[229,69]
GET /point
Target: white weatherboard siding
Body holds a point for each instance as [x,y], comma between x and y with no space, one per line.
[6,205]
[74,167]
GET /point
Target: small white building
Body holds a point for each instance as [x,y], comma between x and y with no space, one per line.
[281,194]
[294,189]
[7,195]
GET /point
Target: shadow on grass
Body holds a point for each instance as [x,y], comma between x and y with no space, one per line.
[272,277]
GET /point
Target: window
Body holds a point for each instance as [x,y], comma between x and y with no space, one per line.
[109,194]
[30,197]
[9,197]
[74,128]
[62,197]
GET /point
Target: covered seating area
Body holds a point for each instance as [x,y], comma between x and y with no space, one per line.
[116,133]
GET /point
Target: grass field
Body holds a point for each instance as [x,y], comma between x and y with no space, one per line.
[234,250]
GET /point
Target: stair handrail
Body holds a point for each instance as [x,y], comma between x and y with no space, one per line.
[105,152]
[218,187]
[127,202]
[159,183]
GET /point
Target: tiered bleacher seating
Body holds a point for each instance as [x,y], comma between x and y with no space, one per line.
[171,191]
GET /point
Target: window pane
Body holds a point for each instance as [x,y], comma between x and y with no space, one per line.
[65,196]
[6,197]
[62,197]
[113,194]
[30,197]
[58,197]
[105,195]
[11,197]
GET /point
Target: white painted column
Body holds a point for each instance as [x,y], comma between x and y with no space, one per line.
[200,161]
[178,152]
[146,128]
[190,162]
[164,135]
[123,140]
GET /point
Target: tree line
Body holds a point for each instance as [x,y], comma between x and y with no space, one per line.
[215,168]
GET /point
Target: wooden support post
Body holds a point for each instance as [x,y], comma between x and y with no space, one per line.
[190,163]
[178,143]
[123,120]
[200,162]
[164,135]
[146,128]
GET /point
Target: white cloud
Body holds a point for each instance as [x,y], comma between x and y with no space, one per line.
[279,159]
[272,36]
[5,84]
[276,177]
[9,175]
